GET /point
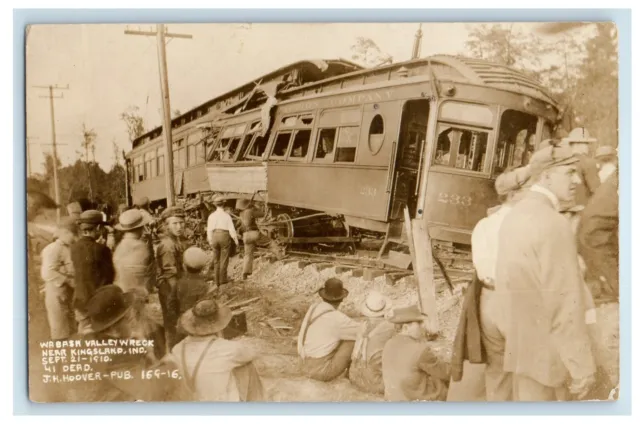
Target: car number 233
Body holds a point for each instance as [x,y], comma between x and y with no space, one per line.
[454,199]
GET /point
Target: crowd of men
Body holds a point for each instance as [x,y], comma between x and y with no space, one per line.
[544,258]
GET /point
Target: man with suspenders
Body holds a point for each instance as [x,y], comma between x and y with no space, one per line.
[327,336]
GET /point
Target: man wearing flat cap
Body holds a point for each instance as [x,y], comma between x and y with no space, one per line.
[192,286]
[327,336]
[92,263]
[169,256]
[546,338]
[410,369]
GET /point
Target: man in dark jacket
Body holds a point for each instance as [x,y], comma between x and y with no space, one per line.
[169,257]
[92,263]
[598,238]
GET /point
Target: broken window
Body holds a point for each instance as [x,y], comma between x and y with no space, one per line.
[281,145]
[231,150]
[516,140]
[461,148]
[326,143]
[347,143]
[257,148]
[300,144]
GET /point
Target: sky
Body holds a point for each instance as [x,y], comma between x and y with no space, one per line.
[108,71]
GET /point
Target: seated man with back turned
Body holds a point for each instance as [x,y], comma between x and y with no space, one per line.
[327,336]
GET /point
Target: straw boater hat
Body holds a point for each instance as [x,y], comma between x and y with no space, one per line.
[579,135]
[406,315]
[333,290]
[108,305]
[131,220]
[375,305]
[217,200]
[207,317]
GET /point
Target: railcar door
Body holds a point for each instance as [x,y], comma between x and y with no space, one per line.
[409,157]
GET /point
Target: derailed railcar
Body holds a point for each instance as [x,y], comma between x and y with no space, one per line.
[195,132]
[431,134]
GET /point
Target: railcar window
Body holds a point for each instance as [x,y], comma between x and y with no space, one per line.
[516,140]
[258,147]
[376,134]
[160,162]
[200,156]
[461,148]
[300,144]
[149,162]
[347,142]
[326,143]
[281,145]
[191,155]
[231,150]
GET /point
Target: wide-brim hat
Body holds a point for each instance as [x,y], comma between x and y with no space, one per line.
[579,135]
[207,317]
[333,290]
[406,315]
[108,305]
[375,305]
[91,218]
[218,200]
[131,220]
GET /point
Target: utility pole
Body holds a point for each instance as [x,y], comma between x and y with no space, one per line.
[161,34]
[417,44]
[56,184]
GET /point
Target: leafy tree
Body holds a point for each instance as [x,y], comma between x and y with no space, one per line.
[134,122]
[366,52]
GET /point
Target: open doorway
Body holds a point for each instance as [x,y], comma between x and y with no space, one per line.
[411,146]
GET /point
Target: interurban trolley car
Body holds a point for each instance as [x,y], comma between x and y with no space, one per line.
[339,156]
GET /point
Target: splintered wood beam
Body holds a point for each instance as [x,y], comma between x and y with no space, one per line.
[421,255]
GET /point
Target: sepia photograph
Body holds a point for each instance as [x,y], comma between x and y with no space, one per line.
[322,212]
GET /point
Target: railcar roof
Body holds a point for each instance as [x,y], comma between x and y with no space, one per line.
[475,71]
[316,67]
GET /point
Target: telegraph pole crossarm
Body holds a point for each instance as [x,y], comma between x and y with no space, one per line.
[161,34]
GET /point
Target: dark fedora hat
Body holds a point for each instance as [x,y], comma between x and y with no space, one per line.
[108,305]
[207,317]
[91,217]
[333,290]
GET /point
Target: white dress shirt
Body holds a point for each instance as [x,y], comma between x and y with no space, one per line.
[220,220]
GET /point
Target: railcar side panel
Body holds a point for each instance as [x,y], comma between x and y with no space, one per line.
[350,190]
[246,178]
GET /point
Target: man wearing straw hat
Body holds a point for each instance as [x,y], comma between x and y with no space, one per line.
[134,265]
[546,337]
[92,264]
[213,368]
[410,369]
[57,273]
[220,233]
[365,371]
[327,336]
